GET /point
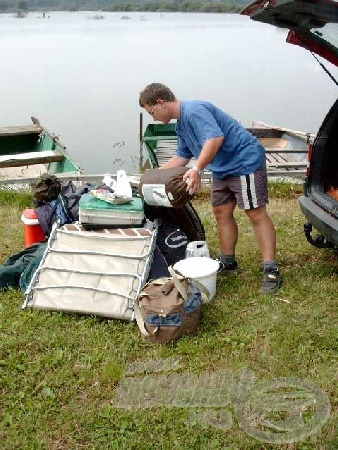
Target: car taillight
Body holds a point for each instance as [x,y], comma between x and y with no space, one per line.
[309,153]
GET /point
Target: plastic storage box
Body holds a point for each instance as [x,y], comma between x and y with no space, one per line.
[95,213]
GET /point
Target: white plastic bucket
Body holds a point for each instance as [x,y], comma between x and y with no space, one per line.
[202,269]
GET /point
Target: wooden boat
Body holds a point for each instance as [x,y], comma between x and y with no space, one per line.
[30,150]
[286,150]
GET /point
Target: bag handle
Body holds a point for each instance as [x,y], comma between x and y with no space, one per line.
[204,291]
[140,321]
[176,276]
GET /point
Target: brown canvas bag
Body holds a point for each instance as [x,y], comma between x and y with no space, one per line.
[169,308]
[164,187]
[47,189]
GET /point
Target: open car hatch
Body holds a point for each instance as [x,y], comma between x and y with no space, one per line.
[312,23]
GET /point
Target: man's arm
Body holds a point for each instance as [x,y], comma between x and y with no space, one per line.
[175,161]
[209,150]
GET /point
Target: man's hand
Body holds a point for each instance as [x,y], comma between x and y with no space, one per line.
[193,179]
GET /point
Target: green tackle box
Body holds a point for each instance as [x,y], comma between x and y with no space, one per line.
[95,213]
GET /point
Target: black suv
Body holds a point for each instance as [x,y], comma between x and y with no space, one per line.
[313,25]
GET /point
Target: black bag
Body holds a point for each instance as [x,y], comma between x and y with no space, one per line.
[186,218]
[171,241]
[164,187]
[159,266]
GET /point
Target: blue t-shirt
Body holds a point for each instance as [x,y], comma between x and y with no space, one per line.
[240,153]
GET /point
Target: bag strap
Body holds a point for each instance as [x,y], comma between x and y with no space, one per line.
[204,291]
[64,205]
[177,277]
[140,321]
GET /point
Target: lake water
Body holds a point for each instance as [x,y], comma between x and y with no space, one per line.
[82,77]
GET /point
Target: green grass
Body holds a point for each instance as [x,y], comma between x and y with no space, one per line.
[59,372]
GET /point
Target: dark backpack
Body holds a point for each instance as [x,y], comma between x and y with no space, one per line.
[55,202]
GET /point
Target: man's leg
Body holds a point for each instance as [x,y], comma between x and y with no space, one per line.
[251,193]
[265,235]
[226,227]
[227,235]
[264,232]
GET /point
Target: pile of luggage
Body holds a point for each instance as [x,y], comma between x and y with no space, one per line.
[101,245]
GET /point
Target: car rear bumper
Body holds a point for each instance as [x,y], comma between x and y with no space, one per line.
[322,221]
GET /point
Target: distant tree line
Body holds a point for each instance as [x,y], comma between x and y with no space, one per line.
[215,6]
[178,6]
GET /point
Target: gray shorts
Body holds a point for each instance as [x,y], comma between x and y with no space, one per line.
[249,191]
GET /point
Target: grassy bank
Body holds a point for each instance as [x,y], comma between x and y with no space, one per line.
[59,372]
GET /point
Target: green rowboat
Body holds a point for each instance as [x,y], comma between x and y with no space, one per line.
[30,150]
[286,150]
